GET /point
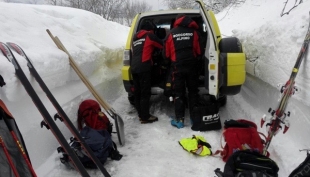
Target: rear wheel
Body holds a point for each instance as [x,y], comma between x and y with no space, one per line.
[222,100]
[131,98]
[229,45]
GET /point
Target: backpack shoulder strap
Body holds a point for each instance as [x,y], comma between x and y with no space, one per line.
[114,154]
[221,151]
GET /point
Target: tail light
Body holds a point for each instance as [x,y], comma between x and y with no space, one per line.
[126,58]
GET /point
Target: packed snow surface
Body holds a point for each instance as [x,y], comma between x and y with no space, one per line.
[270,41]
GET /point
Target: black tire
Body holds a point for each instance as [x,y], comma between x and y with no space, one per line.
[231,90]
[230,45]
[222,100]
[131,99]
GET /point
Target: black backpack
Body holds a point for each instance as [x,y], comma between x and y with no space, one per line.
[247,163]
[303,169]
[100,143]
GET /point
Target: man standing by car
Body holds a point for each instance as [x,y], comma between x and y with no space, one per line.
[143,45]
[182,46]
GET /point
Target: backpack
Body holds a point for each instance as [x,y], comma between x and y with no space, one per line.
[96,133]
[303,169]
[99,141]
[240,134]
[248,163]
[89,113]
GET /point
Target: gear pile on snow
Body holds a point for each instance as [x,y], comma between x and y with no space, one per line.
[96,129]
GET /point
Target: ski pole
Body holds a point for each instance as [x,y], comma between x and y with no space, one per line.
[117,118]
[6,152]
[20,147]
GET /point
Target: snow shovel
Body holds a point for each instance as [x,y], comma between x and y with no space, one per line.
[119,123]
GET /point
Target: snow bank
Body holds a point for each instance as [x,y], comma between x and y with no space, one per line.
[95,44]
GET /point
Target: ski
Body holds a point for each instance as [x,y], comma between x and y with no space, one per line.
[60,111]
[278,116]
[10,161]
[119,123]
[40,106]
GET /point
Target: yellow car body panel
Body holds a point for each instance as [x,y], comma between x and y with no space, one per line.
[215,27]
[131,33]
[126,74]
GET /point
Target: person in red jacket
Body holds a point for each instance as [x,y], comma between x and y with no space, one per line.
[143,45]
[183,47]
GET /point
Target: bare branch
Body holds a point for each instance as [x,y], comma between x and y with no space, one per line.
[295,5]
[131,8]
[52,2]
[184,4]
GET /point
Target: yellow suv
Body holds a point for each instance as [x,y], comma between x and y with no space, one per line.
[223,67]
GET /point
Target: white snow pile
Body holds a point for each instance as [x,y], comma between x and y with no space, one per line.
[270,41]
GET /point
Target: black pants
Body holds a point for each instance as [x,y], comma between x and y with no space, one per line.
[182,79]
[142,93]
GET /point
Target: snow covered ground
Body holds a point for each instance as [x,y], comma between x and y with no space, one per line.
[151,150]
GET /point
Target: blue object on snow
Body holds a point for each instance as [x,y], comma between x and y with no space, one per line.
[178,124]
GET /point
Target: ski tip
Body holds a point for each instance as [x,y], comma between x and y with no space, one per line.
[12,44]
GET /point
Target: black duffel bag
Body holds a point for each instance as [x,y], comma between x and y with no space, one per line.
[205,115]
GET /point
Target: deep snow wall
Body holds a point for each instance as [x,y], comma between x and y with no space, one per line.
[262,35]
[272,43]
[95,44]
[41,143]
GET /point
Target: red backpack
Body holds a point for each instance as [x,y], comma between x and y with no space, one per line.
[240,134]
[89,113]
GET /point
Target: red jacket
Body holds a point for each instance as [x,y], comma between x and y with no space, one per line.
[182,46]
[143,45]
